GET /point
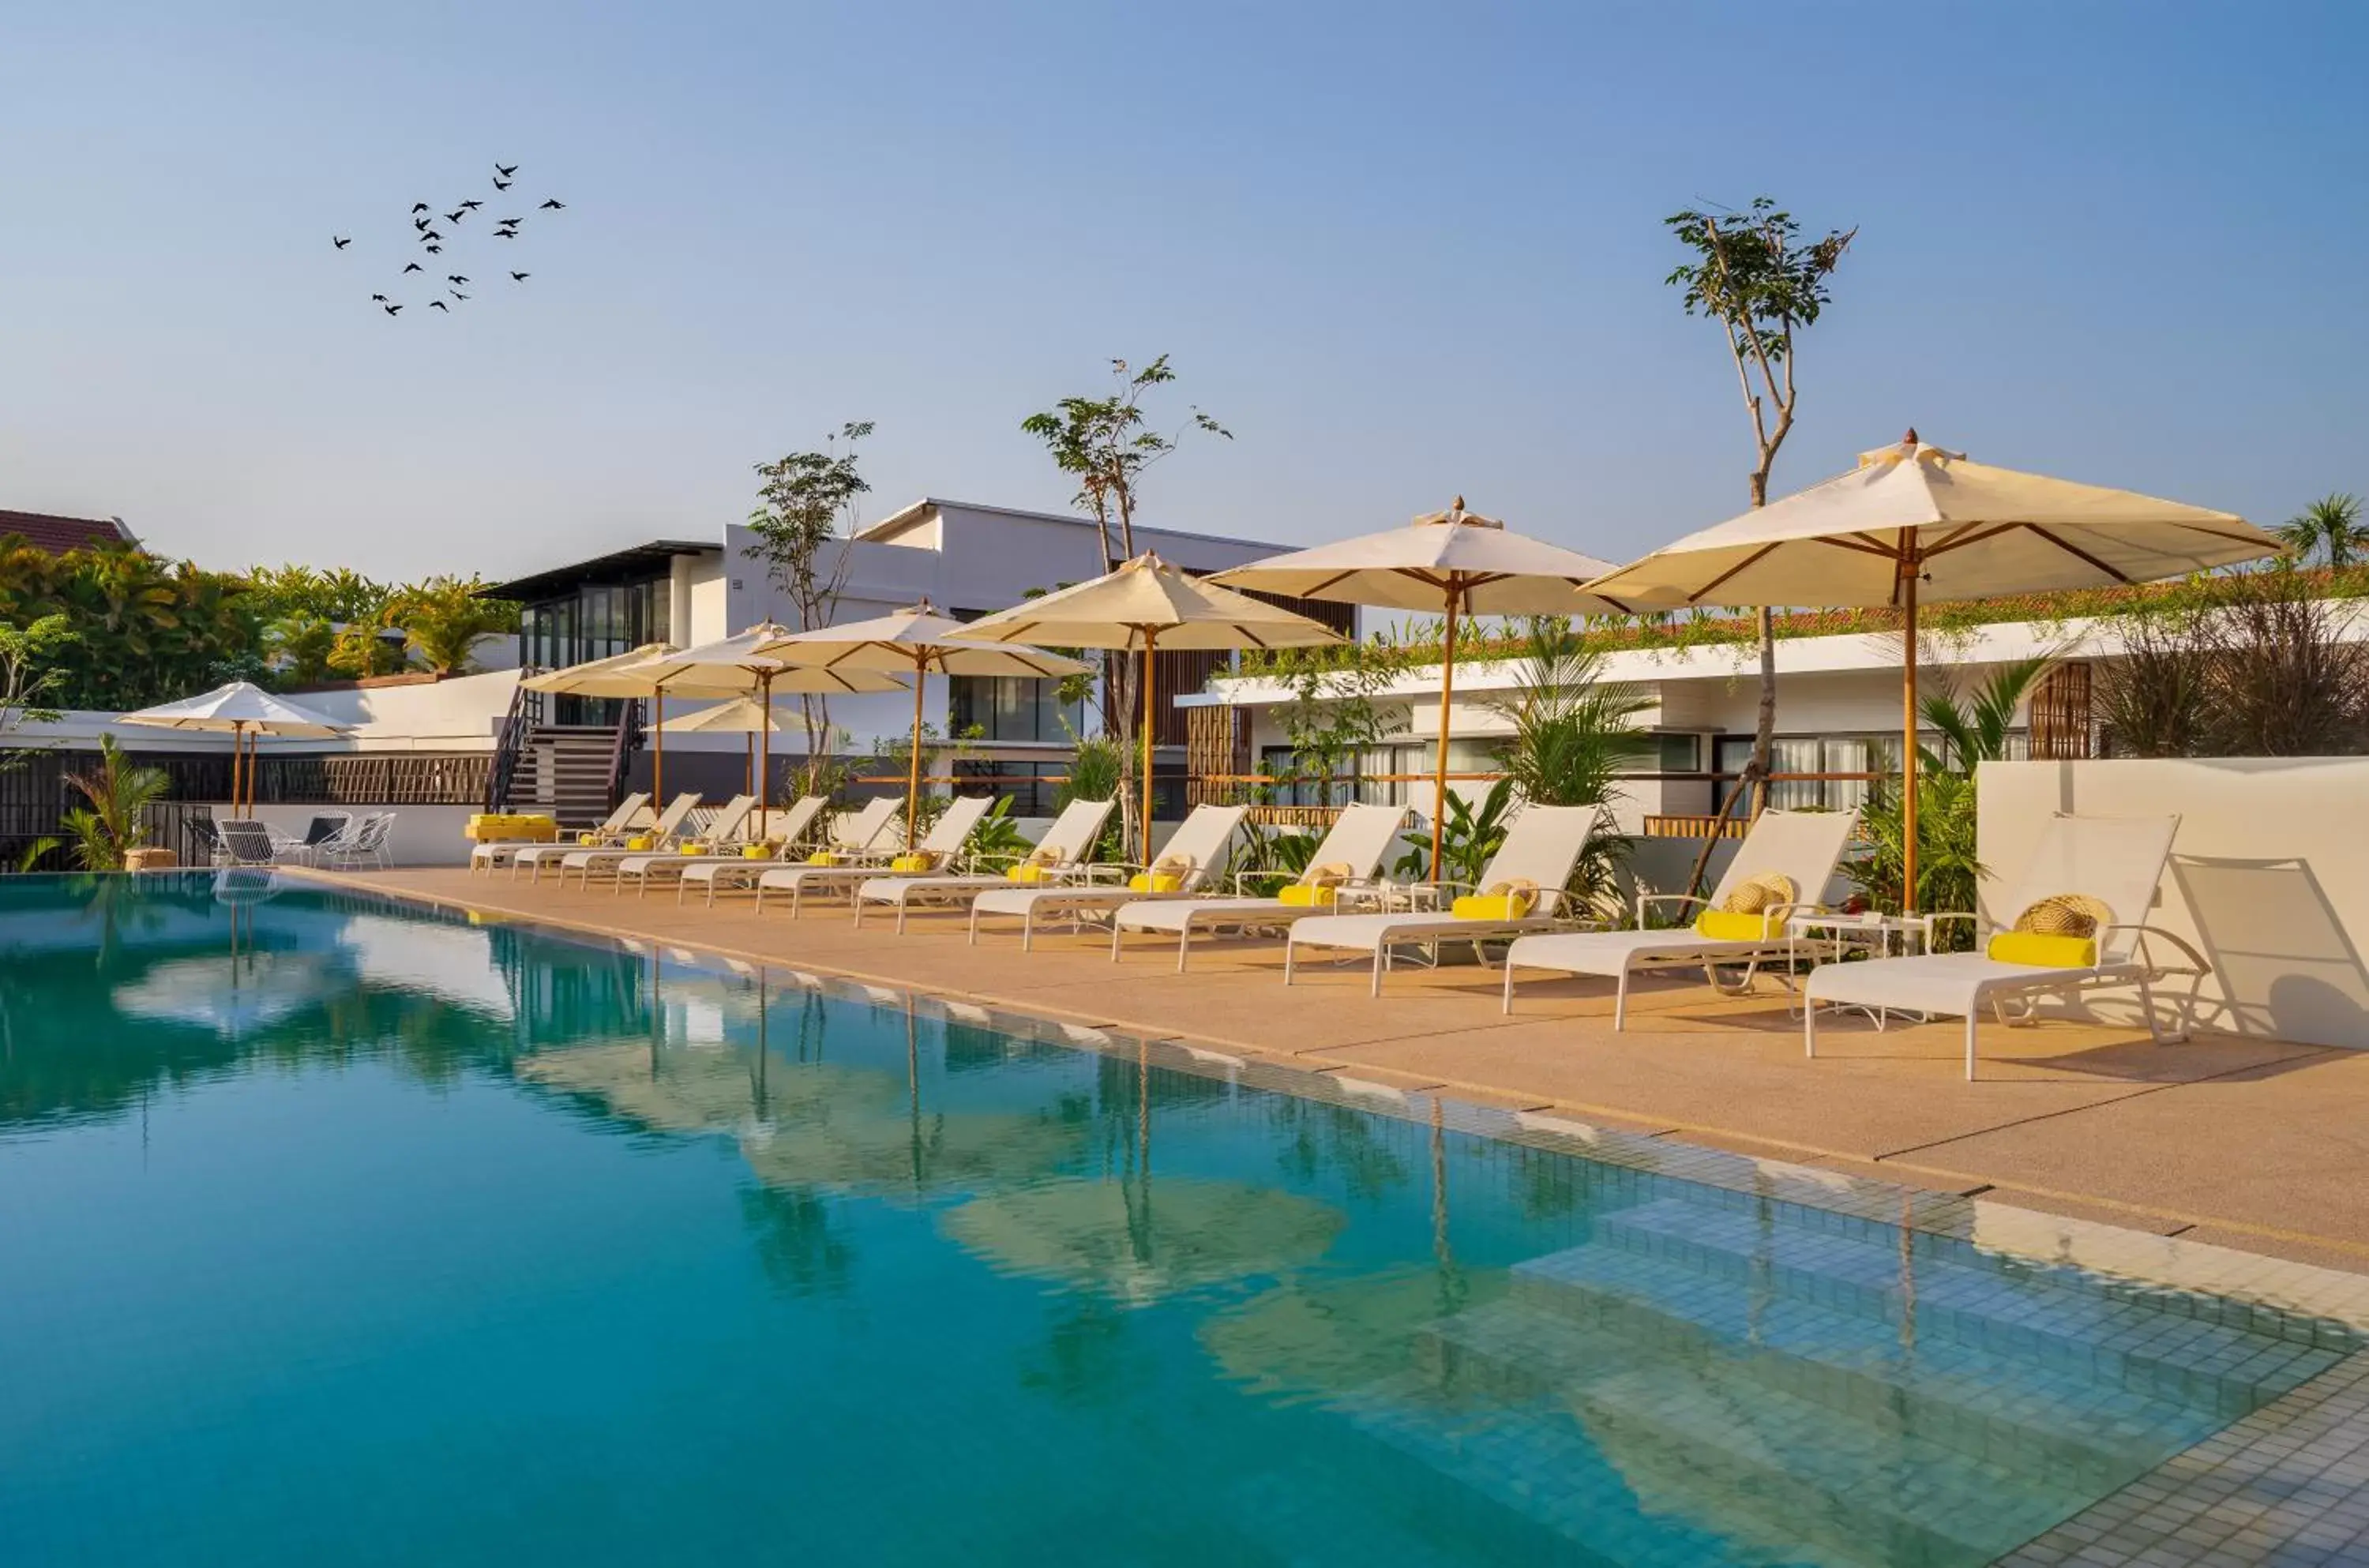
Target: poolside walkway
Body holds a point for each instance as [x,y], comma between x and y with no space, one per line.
[2251,1144]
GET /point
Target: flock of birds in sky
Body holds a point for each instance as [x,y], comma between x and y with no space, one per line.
[429,237]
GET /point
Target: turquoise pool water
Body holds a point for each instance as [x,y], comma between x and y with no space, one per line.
[335,1232]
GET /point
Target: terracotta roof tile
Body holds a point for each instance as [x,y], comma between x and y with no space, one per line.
[44,531]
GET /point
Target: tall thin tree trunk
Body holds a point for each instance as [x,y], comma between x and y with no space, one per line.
[1764,727]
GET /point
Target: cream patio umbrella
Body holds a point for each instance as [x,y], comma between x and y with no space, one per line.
[620,675]
[243,709]
[916,642]
[739,716]
[1455,563]
[732,666]
[1914,523]
[1144,606]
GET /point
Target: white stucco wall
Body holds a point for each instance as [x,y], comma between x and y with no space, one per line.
[2269,879]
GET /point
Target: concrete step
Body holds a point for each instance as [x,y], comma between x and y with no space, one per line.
[2043,1318]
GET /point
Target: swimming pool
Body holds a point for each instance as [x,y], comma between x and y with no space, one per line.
[338,1230]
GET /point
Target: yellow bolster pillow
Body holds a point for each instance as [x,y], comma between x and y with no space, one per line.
[1155,881]
[1306,896]
[1488,906]
[642,843]
[917,862]
[588,839]
[1731,925]
[2038,947]
[1033,872]
[694,849]
[756,852]
[822,857]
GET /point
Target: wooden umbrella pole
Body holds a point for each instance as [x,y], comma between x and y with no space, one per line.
[749,767]
[913,782]
[238,749]
[1440,781]
[1908,729]
[1150,647]
[766,755]
[658,744]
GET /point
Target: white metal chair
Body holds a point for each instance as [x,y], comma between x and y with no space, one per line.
[1197,847]
[1064,854]
[1355,845]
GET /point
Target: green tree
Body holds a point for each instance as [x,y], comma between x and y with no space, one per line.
[443,618]
[117,795]
[302,642]
[2328,532]
[804,519]
[1752,273]
[1574,734]
[1105,444]
[29,673]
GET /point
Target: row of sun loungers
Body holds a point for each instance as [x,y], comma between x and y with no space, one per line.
[2082,901]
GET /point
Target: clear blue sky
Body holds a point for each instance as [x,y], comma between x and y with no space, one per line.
[1404,251]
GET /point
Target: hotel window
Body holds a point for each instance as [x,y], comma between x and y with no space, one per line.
[1012,707]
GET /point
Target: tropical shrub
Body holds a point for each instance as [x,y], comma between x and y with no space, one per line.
[118,793]
[1468,836]
[442,617]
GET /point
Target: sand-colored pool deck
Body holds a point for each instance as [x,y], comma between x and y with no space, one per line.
[2245,1143]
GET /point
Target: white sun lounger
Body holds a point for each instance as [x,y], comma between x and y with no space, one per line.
[2118,861]
[1200,842]
[1541,847]
[489,857]
[605,859]
[634,809]
[1064,852]
[1359,839]
[787,829]
[945,838]
[722,833]
[1802,846]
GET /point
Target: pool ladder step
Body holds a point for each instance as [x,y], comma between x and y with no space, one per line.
[2040,1318]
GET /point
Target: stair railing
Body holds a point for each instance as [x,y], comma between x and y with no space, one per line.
[507,746]
[628,740]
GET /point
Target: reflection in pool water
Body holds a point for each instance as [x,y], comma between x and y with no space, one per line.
[339,1231]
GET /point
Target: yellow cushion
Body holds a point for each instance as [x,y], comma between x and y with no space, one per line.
[588,839]
[1032,871]
[638,843]
[1492,907]
[756,852]
[1155,881]
[1731,925]
[918,861]
[822,857]
[2039,947]
[694,849]
[1306,896]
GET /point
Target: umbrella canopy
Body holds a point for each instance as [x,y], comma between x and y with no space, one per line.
[740,717]
[1144,606]
[1142,1241]
[627,675]
[1453,563]
[242,708]
[916,642]
[731,666]
[1914,523]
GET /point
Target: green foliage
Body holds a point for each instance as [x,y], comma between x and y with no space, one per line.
[1753,275]
[147,630]
[1974,730]
[1574,731]
[338,595]
[1104,444]
[118,794]
[2151,701]
[997,837]
[368,648]
[2329,531]
[1333,714]
[805,512]
[29,671]
[35,852]
[1468,837]
[1099,770]
[299,642]
[442,617]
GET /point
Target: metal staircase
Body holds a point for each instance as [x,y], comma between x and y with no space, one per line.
[575,772]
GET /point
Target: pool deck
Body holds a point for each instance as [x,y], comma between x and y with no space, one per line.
[2246,1143]
[2254,1149]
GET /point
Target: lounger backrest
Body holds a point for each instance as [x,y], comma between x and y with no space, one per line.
[856,830]
[730,820]
[2118,861]
[249,842]
[1540,848]
[627,810]
[1201,839]
[324,828]
[1804,847]
[678,812]
[951,830]
[1071,837]
[1359,839]
[792,825]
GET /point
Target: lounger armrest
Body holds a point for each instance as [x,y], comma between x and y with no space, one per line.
[1644,899]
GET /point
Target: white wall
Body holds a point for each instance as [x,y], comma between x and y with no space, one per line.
[2269,879]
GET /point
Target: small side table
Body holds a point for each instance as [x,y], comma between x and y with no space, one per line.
[1826,938]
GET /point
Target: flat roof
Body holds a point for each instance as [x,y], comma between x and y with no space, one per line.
[632,564]
[906,515]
